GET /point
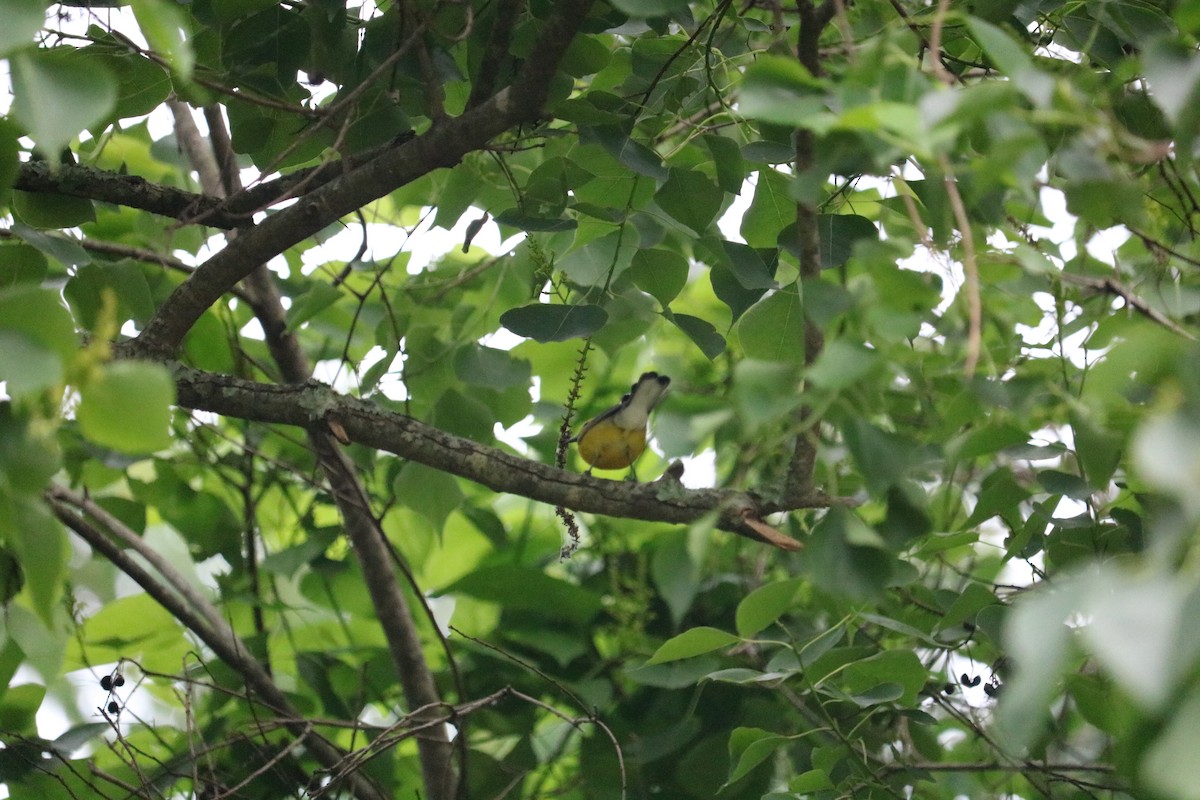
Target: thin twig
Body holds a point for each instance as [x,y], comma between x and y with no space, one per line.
[935,43]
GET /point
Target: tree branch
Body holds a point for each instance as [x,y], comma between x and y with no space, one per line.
[314,405]
[134,191]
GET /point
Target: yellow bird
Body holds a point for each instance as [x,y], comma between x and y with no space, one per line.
[614,439]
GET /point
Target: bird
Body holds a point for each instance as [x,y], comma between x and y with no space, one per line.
[615,438]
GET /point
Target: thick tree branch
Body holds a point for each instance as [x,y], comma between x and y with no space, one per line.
[442,146]
[314,405]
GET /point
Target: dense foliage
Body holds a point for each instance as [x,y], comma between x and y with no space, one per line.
[926,280]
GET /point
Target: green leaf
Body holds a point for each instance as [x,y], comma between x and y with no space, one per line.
[749,747]
[142,84]
[134,627]
[674,675]
[491,368]
[729,290]
[39,315]
[985,441]
[204,520]
[11,659]
[40,543]
[529,590]
[842,365]
[727,158]
[771,210]
[1037,638]
[207,344]
[166,30]
[28,459]
[888,676]
[554,323]
[57,94]
[19,707]
[22,19]
[811,782]
[51,211]
[839,565]
[675,573]
[884,457]
[600,261]
[229,10]
[781,91]
[702,333]
[430,492]
[21,264]
[773,328]
[632,154]
[27,366]
[1166,451]
[650,8]
[692,642]
[64,250]
[660,273]
[12,581]
[1171,767]
[320,296]
[691,198]
[1001,494]
[749,266]
[1065,484]
[764,393]
[970,602]
[764,605]
[741,675]
[515,218]
[124,279]
[1174,75]
[128,408]
[1096,699]
[10,161]
[1142,631]
[1012,61]
[839,233]
[1099,450]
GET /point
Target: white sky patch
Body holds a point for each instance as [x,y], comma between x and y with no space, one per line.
[1104,244]
[700,470]
[730,223]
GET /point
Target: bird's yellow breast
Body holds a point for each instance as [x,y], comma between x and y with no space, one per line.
[606,445]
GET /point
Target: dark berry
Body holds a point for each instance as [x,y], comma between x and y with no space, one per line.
[106,683]
[113,707]
[119,680]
